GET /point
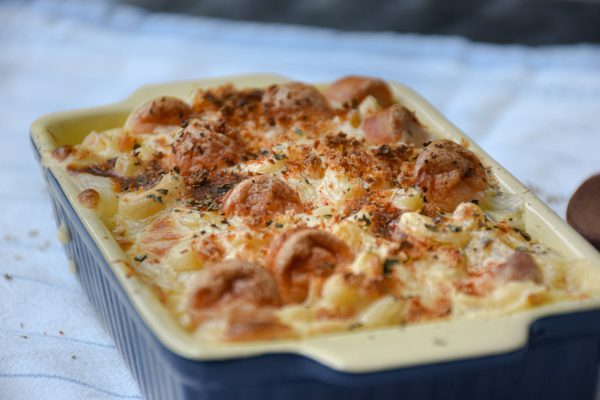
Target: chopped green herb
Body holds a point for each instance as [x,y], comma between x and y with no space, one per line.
[140,258]
[454,228]
[164,192]
[269,222]
[354,325]
[278,225]
[525,235]
[279,156]
[430,227]
[327,216]
[154,197]
[388,265]
[298,131]
[365,219]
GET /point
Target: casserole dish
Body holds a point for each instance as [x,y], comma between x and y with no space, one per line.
[549,351]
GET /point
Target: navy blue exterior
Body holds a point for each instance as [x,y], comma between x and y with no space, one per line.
[560,360]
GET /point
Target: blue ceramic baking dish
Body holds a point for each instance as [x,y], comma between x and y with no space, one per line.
[550,352]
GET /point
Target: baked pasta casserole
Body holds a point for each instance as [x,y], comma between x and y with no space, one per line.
[290,211]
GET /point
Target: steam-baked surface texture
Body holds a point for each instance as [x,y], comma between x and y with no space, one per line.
[283,212]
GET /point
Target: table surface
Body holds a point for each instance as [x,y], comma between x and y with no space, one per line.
[534,110]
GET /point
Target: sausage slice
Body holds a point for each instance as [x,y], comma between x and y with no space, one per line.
[394,124]
[448,174]
[230,283]
[206,145]
[298,257]
[356,88]
[258,198]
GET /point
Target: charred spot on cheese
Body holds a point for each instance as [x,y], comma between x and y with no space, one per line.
[299,256]
[231,283]
[395,123]
[292,101]
[448,174]
[206,145]
[89,198]
[354,89]
[164,110]
[258,198]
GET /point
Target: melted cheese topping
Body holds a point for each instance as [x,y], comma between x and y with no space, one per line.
[267,214]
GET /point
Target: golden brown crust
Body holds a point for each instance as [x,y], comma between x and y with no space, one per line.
[299,256]
[236,107]
[354,89]
[229,284]
[448,174]
[395,123]
[164,110]
[89,198]
[258,198]
[206,146]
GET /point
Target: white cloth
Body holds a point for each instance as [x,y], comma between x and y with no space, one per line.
[535,110]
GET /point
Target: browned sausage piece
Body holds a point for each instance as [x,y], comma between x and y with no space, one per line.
[448,174]
[356,88]
[230,283]
[165,110]
[206,145]
[258,198]
[296,100]
[300,256]
[395,123]
[520,266]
